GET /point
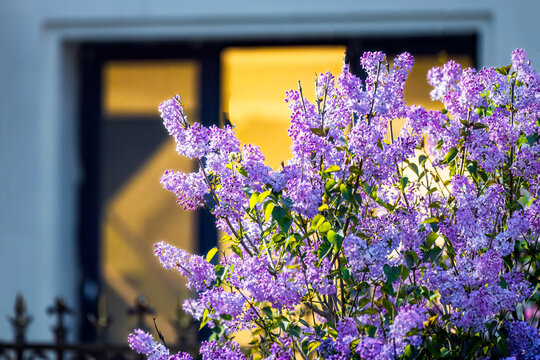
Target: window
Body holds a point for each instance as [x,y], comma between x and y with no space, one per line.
[125,149]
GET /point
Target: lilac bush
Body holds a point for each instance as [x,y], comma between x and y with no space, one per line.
[371,243]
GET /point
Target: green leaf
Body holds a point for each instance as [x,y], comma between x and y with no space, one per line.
[387,206]
[368,189]
[473,168]
[404,272]
[235,249]
[334,238]
[220,271]
[344,192]
[268,211]
[211,254]
[329,185]
[345,273]
[430,220]
[355,170]
[435,205]
[388,305]
[414,168]
[408,351]
[411,258]
[263,196]
[451,155]
[369,311]
[283,219]
[267,310]
[320,132]
[323,207]
[362,302]
[434,253]
[478,126]
[532,139]
[317,221]
[422,159]
[503,283]
[392,272]
[430,240]
[253,200]
[324,249]
[242,171]
[313,346]
[371,329]
[204,319]
[291,241]
[226,317]
[326,226]
[504,70]
[403,182]
[295,330]
[332,168]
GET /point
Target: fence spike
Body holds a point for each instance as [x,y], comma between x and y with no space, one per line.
[21,320]
[59,310]
[140,309]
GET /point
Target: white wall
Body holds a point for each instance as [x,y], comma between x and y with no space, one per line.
[38,160]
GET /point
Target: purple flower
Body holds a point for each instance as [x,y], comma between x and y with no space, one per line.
[445,81]
[410,319]
[199,272]
[143,343]
[189,189]
[220,303]
[523,340]
[305,195]
[372,348]
[212,350]
[172,113]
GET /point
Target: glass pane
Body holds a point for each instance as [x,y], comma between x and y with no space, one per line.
[253,94]
[136,211]
[255,81]
[417,88]
[254,84]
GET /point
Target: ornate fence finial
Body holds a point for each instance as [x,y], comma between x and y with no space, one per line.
[140,309]
[102,321]
[186,329]
[21,320]
[59,309]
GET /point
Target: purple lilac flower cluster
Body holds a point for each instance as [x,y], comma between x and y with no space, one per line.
[144,344]
[368,244]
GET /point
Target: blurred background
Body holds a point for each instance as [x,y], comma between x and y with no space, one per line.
[82,147]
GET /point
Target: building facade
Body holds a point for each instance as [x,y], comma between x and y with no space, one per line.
[52,65]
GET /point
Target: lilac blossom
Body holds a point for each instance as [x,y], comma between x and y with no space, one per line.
[199,272]
[189,189]
[358,246]
[212,350]
[144,344]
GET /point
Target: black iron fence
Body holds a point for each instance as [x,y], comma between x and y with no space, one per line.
[100,349]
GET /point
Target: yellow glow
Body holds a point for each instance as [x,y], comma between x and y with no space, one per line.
[138,87]
[139,215]
[417,88]
[254,84]
[141,212]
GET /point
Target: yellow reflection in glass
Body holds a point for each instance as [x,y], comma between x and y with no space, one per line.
[417,88]
[138,87]
[140,212]
[254,84]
